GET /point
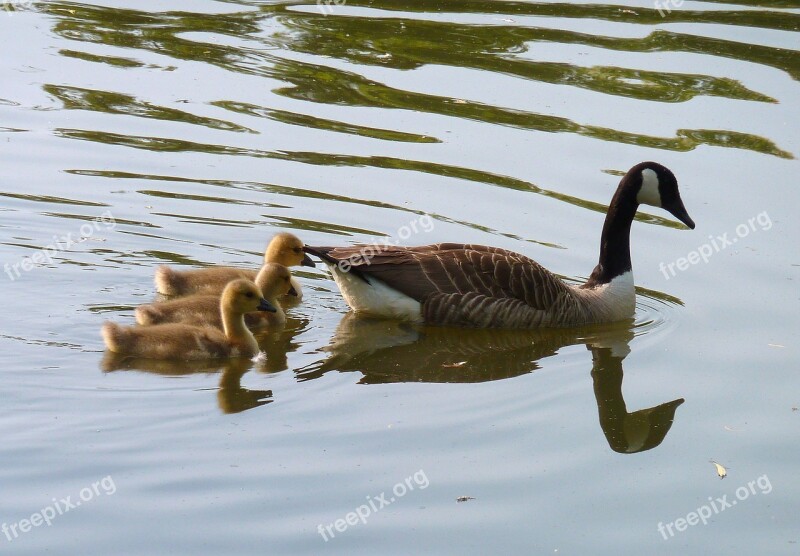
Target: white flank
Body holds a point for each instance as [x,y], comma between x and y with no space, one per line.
[648,194]
[375,298]
[613,301]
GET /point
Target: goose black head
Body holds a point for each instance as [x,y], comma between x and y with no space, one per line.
[658,187]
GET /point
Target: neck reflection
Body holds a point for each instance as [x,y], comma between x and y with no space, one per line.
[386,351]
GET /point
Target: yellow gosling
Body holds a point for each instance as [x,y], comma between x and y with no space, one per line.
[274,281]
[185,341]
[284,248]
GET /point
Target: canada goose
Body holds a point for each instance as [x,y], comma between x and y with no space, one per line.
[185,341]
[284,248]
[489,287]
[273,280]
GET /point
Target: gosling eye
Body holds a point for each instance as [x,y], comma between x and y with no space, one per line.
[249,295]
[297,250]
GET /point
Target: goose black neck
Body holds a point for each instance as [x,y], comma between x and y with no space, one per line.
[615,248]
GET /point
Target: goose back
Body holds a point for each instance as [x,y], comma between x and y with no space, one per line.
[473,285]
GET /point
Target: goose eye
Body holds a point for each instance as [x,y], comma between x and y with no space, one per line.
[250,295]
[297,250]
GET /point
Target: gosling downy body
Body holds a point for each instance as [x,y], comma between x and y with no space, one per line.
[273,280]
[489,287]
[184,341]
[284,248]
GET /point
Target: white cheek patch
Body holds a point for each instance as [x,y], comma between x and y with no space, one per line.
[648,194]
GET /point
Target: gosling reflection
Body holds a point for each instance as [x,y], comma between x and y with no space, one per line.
[277,342]
[389,351]
[231,396]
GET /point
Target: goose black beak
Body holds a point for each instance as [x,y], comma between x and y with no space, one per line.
[265,305]
[679,211]
[292,291]
[307,261]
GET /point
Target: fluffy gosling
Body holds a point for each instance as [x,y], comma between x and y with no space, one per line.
[185,341]
[273,280]
[284,248]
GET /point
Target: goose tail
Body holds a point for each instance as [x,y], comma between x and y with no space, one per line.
[322,253]
[343,264]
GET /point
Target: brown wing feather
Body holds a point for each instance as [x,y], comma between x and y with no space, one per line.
[452,268]
[473,309]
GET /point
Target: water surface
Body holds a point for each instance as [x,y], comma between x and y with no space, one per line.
[143,133]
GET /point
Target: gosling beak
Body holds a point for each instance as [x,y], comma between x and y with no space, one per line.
[679,211]
[292,291]
[307,261]
[265,305]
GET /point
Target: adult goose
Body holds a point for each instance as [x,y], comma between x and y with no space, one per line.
[489,287]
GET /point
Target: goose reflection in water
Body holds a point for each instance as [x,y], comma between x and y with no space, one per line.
[387,351]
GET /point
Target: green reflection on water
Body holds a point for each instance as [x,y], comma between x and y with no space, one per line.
[77,98]
[160,144]
[405,43]
[294,223]
[110,60]
[305,120]
[409,44]
[327,85]
[49,199]
[607,12]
